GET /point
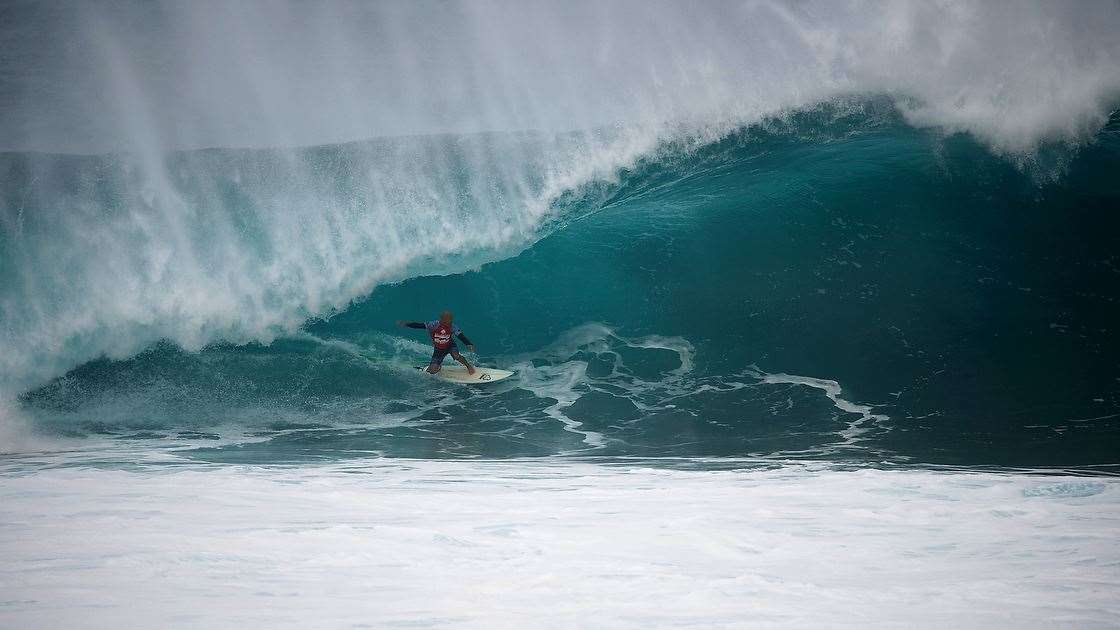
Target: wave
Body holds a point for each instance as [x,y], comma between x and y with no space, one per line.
[105,254]
[677,307]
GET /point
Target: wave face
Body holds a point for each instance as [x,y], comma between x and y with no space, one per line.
[151,238]
[831,283]
[815,229]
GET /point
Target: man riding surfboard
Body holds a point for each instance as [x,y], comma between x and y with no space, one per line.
[442,331]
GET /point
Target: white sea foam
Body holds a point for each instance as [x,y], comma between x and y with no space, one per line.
[563,378]
[854,428]
[555,544]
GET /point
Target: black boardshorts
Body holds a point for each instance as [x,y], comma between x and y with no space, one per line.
[438,354]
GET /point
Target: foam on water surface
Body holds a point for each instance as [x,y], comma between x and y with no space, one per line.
[832,390]
[554,542]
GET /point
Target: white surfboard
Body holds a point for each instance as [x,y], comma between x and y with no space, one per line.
[458,374]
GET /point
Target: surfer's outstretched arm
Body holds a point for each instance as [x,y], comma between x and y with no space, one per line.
[404,324]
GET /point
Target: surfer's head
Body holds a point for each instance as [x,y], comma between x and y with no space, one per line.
[446,317]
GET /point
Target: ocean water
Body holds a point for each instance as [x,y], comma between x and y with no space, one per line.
[831,285]
[832,346]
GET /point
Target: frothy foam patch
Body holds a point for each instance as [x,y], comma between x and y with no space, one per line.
[515,543]
[564,378]
[564,383]
[562,371]
[591,359]
[854,429]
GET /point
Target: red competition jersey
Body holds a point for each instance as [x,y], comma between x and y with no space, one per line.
[442,334]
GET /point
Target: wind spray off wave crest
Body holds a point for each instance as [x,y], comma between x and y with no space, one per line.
[147,77]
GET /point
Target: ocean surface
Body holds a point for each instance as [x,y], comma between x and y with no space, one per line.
[839,359]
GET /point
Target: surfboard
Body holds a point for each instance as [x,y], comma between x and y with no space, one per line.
[457,374]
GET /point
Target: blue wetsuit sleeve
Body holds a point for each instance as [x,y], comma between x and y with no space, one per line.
[420,325]
[463,338]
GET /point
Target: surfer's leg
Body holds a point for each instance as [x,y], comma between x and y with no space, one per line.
[437,360]
[458,357]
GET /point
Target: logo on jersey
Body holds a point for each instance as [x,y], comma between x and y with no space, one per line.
[441,336]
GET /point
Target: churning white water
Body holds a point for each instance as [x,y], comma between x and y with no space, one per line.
[552,543]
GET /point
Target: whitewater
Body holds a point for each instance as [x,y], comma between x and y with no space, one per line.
[558,544]
[812,308]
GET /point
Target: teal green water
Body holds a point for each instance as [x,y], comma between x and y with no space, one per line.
[701,304]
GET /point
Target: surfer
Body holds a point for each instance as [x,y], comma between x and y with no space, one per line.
[441,331]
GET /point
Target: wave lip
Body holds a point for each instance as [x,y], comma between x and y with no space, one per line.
[105,255]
